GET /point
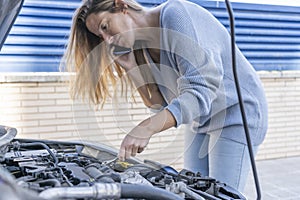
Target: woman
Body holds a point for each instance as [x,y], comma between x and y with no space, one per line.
[178,57]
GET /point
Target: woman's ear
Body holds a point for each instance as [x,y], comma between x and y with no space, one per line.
[122,5]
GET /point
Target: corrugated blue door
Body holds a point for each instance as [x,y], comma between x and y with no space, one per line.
[268,35]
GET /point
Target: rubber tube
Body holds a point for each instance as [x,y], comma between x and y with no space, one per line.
[42,145]
[8,134]
[146,192]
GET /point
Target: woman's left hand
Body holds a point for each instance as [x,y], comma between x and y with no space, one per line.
[126,61]
[134,142]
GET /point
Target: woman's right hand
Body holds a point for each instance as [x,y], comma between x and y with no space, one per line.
[126,61]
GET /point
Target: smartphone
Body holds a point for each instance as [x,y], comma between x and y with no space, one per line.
[119,50]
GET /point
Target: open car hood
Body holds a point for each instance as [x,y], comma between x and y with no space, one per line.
[9,10]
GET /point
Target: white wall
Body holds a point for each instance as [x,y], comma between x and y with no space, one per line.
[38,105]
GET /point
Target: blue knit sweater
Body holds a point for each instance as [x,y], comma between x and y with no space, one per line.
[195,74]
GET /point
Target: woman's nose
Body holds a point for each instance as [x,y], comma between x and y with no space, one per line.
[107,38]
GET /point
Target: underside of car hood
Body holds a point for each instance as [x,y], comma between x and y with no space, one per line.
[9,10]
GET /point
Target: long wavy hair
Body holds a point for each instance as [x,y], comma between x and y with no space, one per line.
[86,55]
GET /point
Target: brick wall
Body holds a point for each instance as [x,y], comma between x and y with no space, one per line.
[38,105]
[283,95]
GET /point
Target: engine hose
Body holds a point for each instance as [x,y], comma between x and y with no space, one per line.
[7,135]
[42,145]
[146,192]
[49,182]
[110,191]
[97,191]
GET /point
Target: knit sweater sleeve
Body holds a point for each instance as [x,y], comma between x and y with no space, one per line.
[200,71]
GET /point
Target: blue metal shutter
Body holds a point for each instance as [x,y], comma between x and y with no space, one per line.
[268,35]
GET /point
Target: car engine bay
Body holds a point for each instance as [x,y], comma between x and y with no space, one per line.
[40,169]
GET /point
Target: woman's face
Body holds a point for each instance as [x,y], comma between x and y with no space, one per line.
[113,28]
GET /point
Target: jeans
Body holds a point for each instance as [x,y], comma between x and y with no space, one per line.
[223,159]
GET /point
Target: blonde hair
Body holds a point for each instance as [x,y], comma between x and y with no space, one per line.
[86,55]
